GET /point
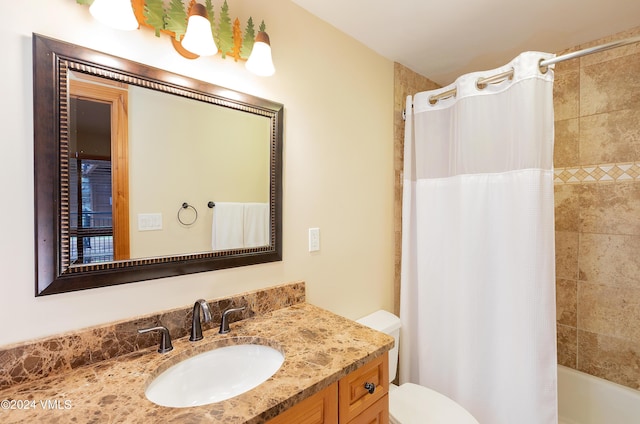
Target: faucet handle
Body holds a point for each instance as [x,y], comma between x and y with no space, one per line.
[165,337]
[224,323]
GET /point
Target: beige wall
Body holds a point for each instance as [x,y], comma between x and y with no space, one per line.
[184,150]
[597,108]
[338,167]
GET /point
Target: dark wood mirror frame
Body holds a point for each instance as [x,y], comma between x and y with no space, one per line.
[52,60]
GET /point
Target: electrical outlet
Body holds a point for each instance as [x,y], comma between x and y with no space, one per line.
[314,239]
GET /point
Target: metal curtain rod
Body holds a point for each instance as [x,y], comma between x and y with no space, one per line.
[590,50]
[544,65]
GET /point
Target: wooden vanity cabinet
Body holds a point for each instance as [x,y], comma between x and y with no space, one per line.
[378,413]
[347,401]
[357,405]
[321,408]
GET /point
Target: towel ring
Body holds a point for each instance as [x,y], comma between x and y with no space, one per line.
[185,205]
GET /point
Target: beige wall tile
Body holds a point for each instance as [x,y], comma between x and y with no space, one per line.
[567,345]
[607,344]
[566,149]
[597,112]
[566,95]
[610,259]
[566,302]
[567,255]
[611,137]
[610,86]
[567,203]
[610,358]
[609,310]
[610,208]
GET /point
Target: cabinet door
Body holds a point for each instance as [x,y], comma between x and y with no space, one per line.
[355,389]
[321,408]
[378,413]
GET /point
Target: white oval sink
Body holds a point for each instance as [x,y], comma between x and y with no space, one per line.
[215,375]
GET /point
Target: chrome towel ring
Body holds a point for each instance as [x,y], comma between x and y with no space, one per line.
[184,206]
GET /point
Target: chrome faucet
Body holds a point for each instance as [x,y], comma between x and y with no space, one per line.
[196,327]
[224,323]
[165,337]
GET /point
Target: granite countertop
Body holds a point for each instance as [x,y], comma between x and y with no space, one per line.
[319,347]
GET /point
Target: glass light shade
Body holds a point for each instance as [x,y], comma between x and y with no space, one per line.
[260,61]
[117,14]
[198,39]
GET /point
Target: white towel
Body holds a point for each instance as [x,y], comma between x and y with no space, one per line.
[227,228]
[256,224]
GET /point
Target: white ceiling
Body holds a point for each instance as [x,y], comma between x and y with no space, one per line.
[443,39]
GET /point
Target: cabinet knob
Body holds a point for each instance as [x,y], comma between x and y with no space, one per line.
[370,387]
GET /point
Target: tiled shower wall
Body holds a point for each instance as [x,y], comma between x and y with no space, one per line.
[597,196]
[406,83]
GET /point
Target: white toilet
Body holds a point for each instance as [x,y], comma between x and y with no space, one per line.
[411,403]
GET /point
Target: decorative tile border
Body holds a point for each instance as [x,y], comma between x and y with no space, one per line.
[613,172]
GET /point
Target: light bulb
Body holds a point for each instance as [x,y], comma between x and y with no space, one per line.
[198,38]
[260,61]
[117,14]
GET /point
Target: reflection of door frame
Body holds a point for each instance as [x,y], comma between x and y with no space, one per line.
[118,99]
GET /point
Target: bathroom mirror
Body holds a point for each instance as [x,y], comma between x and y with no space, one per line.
[136,169]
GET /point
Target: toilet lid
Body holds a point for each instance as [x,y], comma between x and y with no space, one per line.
[414,404]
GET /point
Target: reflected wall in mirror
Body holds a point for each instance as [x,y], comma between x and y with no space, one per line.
[121,147]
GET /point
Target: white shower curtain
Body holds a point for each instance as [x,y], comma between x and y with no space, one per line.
[478,262]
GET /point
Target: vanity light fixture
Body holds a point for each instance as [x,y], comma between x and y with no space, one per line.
[260,61]
[198,39]
[193,33]
[117,14]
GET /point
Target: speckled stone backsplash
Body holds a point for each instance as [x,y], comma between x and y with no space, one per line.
[37,359]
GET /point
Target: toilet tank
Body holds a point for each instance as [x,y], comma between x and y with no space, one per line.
[387,323]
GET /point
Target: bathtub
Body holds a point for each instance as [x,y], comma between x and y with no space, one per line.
[584,399]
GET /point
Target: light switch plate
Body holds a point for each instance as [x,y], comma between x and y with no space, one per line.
[314,239]
[149,221]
